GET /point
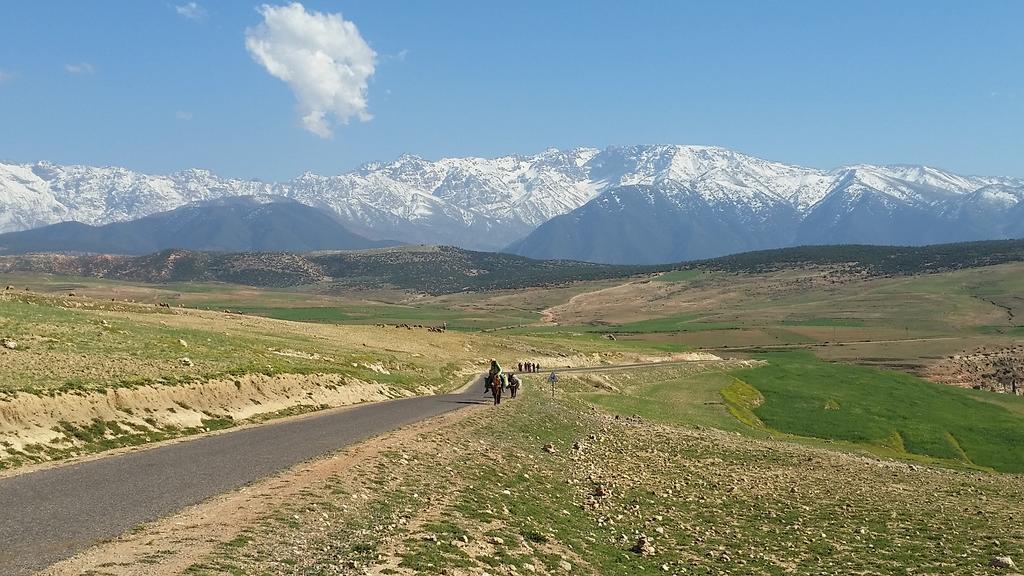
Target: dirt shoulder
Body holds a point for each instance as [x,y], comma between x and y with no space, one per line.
[173,544]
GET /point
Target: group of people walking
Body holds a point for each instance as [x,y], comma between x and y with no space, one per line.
[497,381]
[529,367]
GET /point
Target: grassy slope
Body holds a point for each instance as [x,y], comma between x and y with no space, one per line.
[807,397]
[482,495]
[671,396]
[61,347]
[391,314]
[950,425]
[888,413]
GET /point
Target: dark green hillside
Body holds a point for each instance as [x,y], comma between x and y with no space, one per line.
[875,260]
[443,270]
[446,270]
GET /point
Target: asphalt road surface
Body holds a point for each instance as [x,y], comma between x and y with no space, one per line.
[49,515]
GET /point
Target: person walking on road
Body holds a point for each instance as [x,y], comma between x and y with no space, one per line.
[513,385]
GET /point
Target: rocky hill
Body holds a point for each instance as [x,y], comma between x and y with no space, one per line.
[432,270]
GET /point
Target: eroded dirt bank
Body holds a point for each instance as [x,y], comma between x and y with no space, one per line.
[37,428]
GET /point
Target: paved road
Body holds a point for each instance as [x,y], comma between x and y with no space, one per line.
[49,515]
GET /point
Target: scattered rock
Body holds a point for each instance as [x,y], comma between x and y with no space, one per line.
[182,343]
[186,362]
[549,448]
[9,344]
[644,546]
[565,566]
[1002,562]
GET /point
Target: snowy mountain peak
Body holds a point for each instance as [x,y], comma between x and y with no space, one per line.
[486,203]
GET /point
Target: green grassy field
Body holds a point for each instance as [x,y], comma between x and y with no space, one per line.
[680,276]
[664,396]
[683,323]
[807,397]
[841,322]
[797,395]
[390,314]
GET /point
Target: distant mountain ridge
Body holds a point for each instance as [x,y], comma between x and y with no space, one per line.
[446,270]
[230,224]
[676,202]
[709,202]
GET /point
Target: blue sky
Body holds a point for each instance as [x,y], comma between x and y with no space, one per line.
[160,85]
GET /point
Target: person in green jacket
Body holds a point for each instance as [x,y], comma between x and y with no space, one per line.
[492,375]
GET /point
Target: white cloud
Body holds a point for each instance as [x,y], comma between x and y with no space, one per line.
[191,10]
[183,115]
[322,57]
[81,69]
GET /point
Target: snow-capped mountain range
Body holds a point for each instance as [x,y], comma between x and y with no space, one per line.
[550,203]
